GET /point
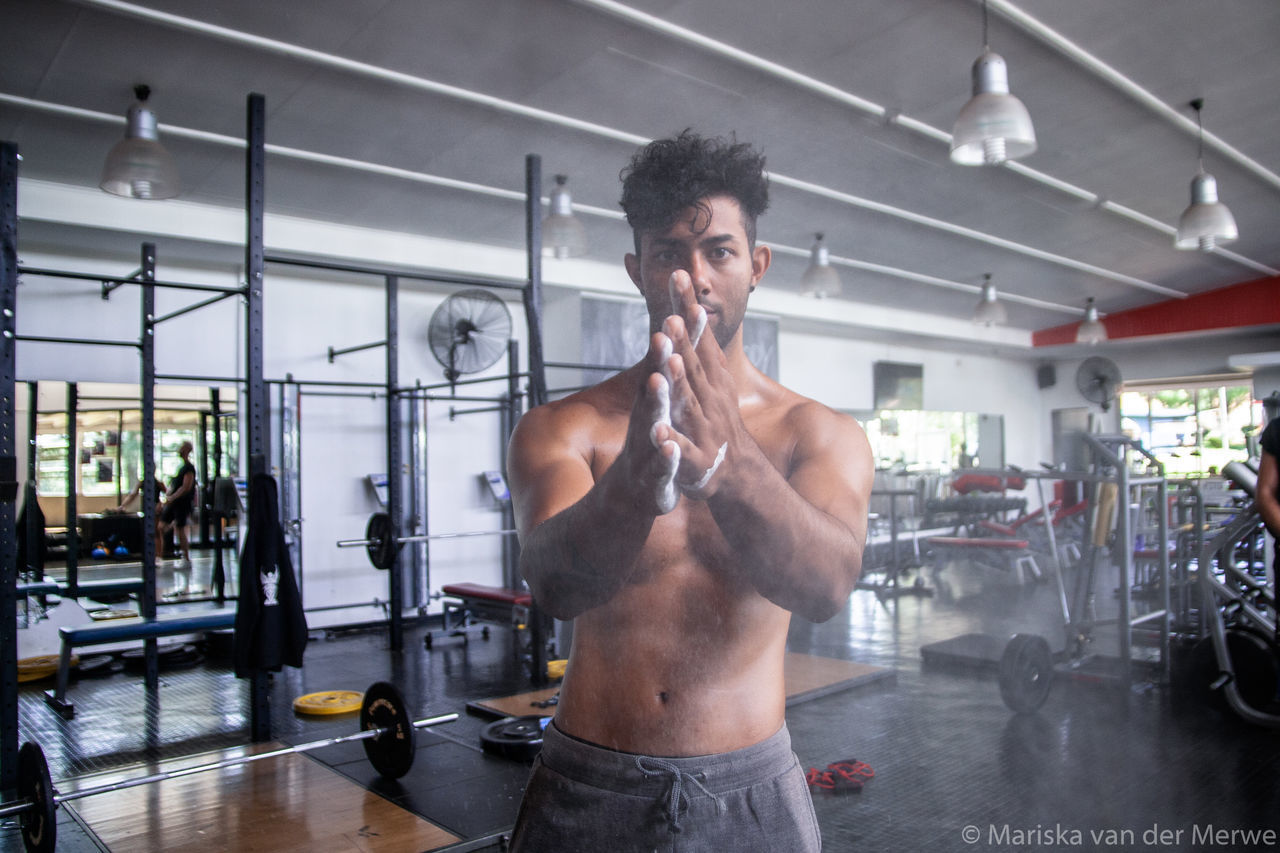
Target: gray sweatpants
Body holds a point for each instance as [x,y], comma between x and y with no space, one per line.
[584,797]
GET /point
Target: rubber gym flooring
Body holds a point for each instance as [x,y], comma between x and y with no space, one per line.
[1097,768]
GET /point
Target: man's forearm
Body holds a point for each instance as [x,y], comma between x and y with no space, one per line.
[799,557]
[579,558]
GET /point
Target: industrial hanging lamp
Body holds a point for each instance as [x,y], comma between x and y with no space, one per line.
[994,126]
[1091,330]
[990,311]
[138,166]
[820,280]
[1207,221]
[562,233]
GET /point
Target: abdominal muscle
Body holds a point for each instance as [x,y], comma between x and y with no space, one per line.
[677,664]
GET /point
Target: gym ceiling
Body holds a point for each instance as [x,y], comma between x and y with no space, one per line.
[425,112]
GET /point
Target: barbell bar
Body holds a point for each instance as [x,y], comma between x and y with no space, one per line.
[386,730]
[382,547]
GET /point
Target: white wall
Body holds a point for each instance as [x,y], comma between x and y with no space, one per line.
[838,372]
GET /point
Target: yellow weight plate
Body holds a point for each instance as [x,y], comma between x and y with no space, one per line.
[43,666]
[329,702]
[555,668]
[108,614]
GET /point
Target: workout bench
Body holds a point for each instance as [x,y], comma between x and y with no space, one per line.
[1014,554]
[465,602]
[122,630]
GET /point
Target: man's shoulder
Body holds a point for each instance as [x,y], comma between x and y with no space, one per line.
[804,413]
[585,409]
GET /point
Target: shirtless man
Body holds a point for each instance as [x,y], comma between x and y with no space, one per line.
[669,733]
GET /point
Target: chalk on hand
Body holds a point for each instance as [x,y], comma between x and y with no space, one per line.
[667,495]
[700,324]
[699,327]
[711,472]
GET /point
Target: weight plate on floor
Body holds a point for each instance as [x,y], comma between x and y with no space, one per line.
[167,654]
[382,545]
[391,753]
[41,666]
[39,823]
[517,738]
[329,702]
[109,613]
[1026,673]
[97,665]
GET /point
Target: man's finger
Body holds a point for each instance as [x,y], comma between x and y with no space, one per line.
[684,304]
[666,493]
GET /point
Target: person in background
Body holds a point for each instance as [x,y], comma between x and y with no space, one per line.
[178,504]
[136,494]
[1268,497]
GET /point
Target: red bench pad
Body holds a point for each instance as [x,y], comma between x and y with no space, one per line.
[966,542]
[488,593]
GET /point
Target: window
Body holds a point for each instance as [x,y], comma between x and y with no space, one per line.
[1194,430]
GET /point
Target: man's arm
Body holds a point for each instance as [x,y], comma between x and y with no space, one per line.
[798,537]
[1268,503]
[188,483]
[579,536]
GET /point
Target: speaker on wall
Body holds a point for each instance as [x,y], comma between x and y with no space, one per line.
[1046,376]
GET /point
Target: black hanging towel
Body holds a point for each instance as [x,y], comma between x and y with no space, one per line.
[271,629]
[31,557]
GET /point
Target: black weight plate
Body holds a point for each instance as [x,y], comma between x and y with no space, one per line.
[391,753]
[382,546]
[517,738]
[1026,673]
[97,665]
[39,823]
[167,654]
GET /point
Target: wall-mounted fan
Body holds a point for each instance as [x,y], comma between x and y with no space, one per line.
[1098,380]
[469,332]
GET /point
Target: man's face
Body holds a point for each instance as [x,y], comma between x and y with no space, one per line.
[710,244]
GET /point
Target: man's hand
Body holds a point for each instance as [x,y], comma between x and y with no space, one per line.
[704,419]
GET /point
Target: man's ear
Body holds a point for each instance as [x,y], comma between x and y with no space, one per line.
[761,257]
[632,263]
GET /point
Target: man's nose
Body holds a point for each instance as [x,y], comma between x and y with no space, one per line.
[699,274]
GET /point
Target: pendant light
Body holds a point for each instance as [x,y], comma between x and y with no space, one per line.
[562,233]
[1091,331]
[820,280]
[994,126]
[1207,221]
[990,311]
[138,166]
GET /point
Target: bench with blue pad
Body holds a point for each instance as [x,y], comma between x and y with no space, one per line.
[84,589]
[120,630]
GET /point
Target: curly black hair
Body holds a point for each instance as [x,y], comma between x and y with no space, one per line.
[669,176]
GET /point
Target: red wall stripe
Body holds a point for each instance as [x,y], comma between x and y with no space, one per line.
[1252,303]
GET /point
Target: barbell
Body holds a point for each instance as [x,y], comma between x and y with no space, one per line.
[382,546]
[385,728]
